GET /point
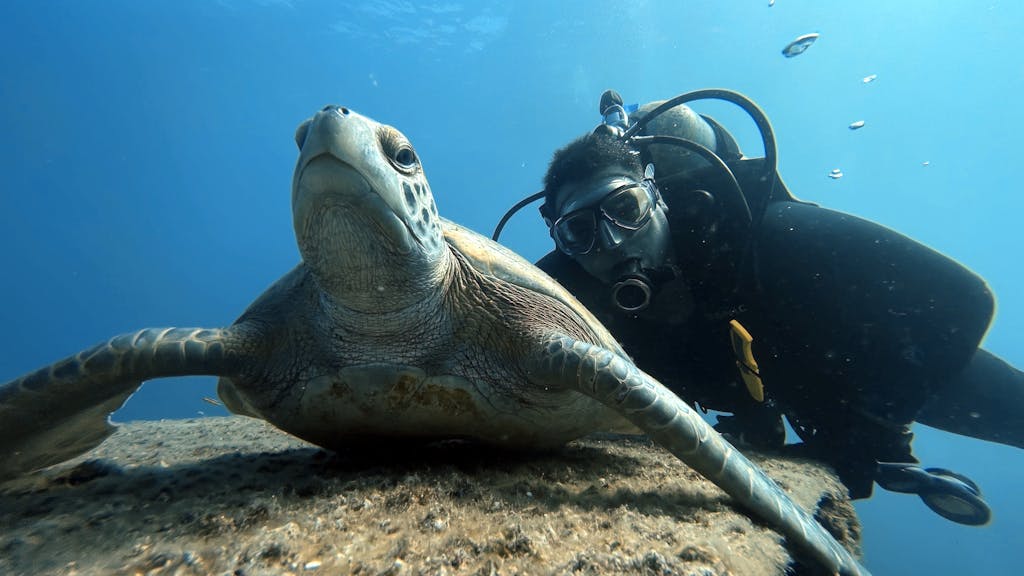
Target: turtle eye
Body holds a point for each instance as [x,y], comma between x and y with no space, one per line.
[405,158]
[398,150]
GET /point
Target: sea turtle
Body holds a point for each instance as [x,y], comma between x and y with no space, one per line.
[396,323]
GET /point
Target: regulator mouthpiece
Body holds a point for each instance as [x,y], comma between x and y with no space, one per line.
[632,291]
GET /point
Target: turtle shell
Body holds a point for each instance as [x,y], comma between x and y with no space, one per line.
[492,259]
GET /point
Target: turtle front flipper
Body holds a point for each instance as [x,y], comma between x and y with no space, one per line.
[620,385]
[61,411]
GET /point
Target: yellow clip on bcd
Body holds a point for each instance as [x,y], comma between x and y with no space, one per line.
[741,341]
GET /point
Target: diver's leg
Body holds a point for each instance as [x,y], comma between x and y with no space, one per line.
[951,495]
[868,443]
[984,401]
[851,444]
[865,450]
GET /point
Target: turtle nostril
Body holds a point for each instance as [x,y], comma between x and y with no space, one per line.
[335,108]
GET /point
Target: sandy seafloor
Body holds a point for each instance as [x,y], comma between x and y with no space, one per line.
[235,496]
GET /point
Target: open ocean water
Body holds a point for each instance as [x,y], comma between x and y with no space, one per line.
[146,155]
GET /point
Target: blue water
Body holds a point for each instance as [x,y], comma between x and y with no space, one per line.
[146,154]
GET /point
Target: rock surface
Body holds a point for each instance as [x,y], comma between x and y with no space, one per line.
[235,496]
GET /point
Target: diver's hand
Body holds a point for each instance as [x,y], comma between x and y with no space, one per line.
[756,431]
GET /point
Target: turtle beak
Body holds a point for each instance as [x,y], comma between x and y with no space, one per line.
[301,131]
[327,133]
[330,147]
[340,169]
[340,137]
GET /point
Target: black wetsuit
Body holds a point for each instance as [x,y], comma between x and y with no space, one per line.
[855,327]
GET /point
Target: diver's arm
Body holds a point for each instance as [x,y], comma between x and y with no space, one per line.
[565,270]
[587,289]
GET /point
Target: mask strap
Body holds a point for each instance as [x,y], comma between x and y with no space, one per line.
[649,183]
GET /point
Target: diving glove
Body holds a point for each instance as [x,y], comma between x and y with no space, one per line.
[761,429]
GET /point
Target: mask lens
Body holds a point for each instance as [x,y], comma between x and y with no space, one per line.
[628,207]
[574,233]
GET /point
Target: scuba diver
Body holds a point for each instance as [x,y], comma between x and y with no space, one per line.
[743,299]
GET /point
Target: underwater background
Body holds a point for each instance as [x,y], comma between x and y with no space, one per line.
[146,153]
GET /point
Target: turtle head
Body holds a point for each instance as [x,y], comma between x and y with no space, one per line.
[364,217]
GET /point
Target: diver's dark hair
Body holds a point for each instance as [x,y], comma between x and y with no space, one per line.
[584,156]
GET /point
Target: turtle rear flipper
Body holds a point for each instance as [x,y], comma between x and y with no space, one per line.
[62,410]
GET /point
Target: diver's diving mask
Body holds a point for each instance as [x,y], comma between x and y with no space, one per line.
[628,207]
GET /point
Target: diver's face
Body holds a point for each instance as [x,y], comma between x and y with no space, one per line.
[615,241]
